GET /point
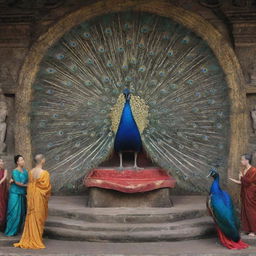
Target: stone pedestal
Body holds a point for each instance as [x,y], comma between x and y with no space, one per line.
[100,197]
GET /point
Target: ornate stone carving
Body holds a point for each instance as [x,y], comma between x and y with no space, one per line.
[3,115]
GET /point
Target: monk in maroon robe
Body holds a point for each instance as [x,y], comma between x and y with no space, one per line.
[248,201]
[3,194]
[247,179]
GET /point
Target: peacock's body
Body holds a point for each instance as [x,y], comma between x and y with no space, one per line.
[222,209]
[127,137]
[178,110]
[220,205]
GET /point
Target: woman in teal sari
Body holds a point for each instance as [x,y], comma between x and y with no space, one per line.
[16,210]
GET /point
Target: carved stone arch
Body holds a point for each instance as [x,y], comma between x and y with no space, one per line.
[222,50]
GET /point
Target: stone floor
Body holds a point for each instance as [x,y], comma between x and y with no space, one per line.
[70,211]
[202,247]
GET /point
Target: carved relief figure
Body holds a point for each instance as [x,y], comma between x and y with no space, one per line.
[3,115]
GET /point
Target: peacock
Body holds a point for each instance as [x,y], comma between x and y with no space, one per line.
[138,69]
[127,136]
[220,206]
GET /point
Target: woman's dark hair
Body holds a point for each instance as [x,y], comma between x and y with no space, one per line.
[248,157]
[16,158]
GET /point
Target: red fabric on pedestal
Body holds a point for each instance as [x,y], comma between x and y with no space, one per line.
[129,180]
[229,243]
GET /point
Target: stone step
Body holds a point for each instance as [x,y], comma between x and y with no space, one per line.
[127,227]
[186,233]
[73,207]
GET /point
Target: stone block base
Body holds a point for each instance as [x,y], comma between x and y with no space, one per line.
[99,197]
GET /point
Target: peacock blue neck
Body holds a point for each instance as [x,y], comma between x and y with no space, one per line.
[128,136]
[215,188]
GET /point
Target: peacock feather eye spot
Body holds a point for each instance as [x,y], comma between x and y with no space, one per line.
[129,41]
[50,70]
[72,43]
[125,67]
[87,35]
[55,115]
[211,101]
[70,137]
[205,137]
[153,82]
[89,61]
[204,70]
[166,36]
[220,113]
[77,144]
[181,146]
[50,92]
[141,45]
[108,31]
[120,49]
[42,124]
[195,109]
[128,79]
[194,125]
[110,134]
[213,91]
[162,73]
[57,158]
[178,99]
[101,49]
[110,64]
[173,86]
[142,69]
[105,79]
[185,40]
[190,82]
[163,91]
[151,53]
[127,26]
[60,56]
[74,67]
[87,83]
[219,125]
[68,83]
[144,29]
[198,94]
[170,53]
[60,133]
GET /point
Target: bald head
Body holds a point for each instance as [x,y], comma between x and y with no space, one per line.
[39,159]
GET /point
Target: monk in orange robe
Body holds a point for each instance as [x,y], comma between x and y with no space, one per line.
[247,179]
[38,193]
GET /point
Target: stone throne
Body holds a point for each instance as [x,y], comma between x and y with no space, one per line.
[146,187]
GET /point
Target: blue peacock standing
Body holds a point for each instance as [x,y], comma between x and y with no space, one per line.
[128,136]
[175,107]
[221,208]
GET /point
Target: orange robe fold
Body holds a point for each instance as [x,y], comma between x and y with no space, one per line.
[38,193]
[248,200]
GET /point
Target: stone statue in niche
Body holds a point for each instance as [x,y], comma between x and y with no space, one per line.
[3,115]
[253,115]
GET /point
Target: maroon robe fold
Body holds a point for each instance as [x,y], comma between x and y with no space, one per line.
[248,200]
[3,201]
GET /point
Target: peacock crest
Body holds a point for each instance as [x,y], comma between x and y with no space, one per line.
[178,98]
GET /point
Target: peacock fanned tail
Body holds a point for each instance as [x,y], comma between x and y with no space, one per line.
[179,97]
